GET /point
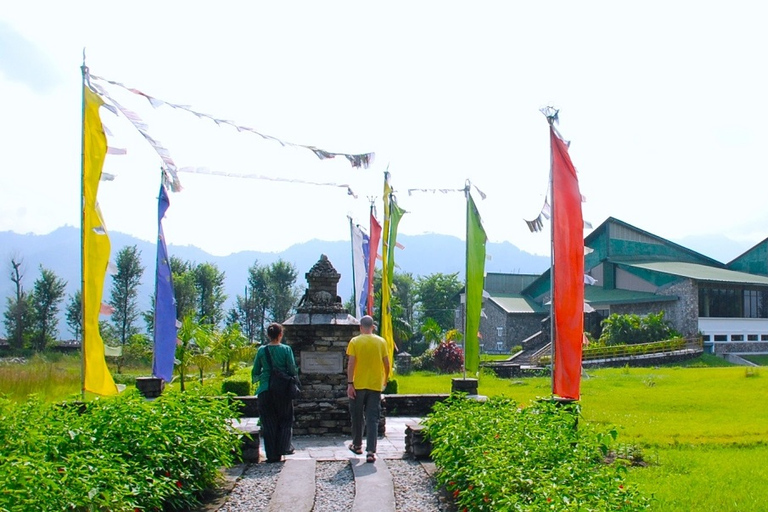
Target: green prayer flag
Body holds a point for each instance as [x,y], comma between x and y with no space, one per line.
[476,239]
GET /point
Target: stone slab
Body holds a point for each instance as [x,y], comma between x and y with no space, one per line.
[374,489]
[290,496]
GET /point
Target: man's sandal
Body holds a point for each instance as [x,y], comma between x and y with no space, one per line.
[356,449]
[371,457]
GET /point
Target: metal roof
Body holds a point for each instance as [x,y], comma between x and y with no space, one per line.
[597,296]
[516,303]
[701,272]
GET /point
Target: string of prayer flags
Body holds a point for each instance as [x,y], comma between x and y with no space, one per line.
[359,160]
[206,170]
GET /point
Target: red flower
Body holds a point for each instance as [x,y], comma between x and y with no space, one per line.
[451,484]
[455,494]
[167,473]
[471,487]
[621,486]
[486,498]
[178,484]
[549,500]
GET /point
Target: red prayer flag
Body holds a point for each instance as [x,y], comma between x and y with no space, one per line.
[567,271]
[373,251]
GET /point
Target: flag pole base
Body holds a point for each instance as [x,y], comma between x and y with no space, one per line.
[468,386]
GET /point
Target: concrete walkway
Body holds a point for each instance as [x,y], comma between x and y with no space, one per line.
[373,482]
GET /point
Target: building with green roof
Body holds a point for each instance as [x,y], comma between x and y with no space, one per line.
[636,272]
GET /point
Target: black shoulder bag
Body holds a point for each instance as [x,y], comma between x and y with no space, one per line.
[280,382]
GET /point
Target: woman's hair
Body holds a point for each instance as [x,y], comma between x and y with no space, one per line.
[274,330]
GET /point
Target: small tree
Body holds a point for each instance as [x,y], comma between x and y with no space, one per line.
[192,336]
[18,312]
[46,298]
[231,346]
[73,313]
[124,294]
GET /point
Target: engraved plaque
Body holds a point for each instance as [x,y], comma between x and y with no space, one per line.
[321,362]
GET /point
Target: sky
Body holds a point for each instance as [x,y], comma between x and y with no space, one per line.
[663,103]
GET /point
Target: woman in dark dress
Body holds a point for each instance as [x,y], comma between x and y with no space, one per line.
[275,411]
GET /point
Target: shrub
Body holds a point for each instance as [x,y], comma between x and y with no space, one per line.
[632,329]
[496,455]
[391,388]
[238,387]
[120,453]
[424,362]
[449,357]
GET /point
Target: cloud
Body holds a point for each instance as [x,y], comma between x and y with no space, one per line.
[25,63]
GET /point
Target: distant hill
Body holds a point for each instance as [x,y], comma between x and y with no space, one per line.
[422,255]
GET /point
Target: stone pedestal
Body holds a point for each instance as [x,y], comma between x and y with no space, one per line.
[150,387]
[468,386]
[403,362]
[319,333]
[416,444]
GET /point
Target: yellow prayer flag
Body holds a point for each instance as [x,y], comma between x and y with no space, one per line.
[96,247]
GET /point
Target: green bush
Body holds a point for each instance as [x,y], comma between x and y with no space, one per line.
[391,388]
[632,329]
[496,455]
[424,362]
[120,453]
[238,387]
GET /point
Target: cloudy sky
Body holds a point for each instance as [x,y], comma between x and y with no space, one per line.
[664,104]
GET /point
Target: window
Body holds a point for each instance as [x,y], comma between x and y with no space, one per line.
[500,332]
[737,337]
[751,337]
[733,302]
[721,337]
[499,346]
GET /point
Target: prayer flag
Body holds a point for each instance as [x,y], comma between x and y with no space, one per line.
[567,271]
[373,250]
[475,273]
[165,329]
[95,249]
[386,310]
[359,264]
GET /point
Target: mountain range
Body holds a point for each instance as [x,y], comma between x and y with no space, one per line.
[422,255]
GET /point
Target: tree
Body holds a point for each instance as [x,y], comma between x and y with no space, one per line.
[184,289]
[18,312]
[250,309]
[192,336]
[281,290]
[209,283]
[124,292]
[46,297]
[438,297]
[231,346]
[73,313]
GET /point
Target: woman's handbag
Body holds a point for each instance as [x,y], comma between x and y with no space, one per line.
[281,383]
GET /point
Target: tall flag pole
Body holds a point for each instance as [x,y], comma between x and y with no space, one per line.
[165,322]
[95,245]
[360,248]
[373,250]
[474,279]
[567,268]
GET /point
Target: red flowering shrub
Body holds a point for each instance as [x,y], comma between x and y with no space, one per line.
[449,357]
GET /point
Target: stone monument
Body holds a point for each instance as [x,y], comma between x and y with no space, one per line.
[318,334]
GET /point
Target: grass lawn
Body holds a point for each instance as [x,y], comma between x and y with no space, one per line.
[703,430]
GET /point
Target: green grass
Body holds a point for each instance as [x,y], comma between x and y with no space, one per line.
[51,376]
[703,429]
[762,360]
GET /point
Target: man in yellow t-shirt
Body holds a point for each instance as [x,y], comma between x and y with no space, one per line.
[367,375]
